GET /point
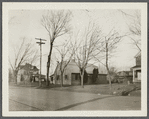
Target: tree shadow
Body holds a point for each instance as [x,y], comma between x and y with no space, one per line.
[80,103]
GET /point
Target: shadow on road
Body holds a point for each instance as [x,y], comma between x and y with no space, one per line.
[73,105]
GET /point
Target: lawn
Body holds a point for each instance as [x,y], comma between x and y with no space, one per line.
[117,89]
[100,89]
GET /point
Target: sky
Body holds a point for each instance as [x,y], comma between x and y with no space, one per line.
[27,23]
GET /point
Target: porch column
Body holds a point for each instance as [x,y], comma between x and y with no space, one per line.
[133,75]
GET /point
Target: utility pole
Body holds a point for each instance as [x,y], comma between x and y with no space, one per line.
[40,44]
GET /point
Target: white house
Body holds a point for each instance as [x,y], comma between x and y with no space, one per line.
[137,69]
[71,74]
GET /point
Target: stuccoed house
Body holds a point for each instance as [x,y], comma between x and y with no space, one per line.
[71,74]
[27,72]
[137,69]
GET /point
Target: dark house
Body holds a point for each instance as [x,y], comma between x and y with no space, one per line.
[26,72]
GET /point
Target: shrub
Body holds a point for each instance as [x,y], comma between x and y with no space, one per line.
[95,75]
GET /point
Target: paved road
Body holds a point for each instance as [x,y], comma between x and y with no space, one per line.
[32,99]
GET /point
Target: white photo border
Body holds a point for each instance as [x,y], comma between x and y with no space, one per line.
[58,5]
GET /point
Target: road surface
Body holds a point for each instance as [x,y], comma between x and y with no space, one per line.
[32,99]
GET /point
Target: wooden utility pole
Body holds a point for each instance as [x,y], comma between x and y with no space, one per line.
[40,44]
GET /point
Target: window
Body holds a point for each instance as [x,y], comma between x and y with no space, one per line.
[75,76]
[138,60]
[66,77]
[22,78]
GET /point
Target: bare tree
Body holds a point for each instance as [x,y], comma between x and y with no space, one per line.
[66,52]
[134,26]
[22,54]
[57,24]
[108,47]
[113,74]
[85,47]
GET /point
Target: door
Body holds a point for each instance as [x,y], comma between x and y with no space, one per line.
[75,79]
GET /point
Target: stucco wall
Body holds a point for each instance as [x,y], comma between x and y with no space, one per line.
[71,68]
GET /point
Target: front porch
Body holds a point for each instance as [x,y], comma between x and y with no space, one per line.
[137,74]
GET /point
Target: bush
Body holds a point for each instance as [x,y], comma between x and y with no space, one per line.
[95,75]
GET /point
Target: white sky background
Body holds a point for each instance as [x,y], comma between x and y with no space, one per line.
[26,23]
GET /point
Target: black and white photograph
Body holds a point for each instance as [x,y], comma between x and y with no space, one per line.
[74,59]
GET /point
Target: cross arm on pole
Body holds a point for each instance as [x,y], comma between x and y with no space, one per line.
[40,42]
[40,39]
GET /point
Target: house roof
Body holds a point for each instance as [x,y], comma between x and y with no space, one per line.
[72,62]
[137,66]
[91,65]
[29,67]
[138,54]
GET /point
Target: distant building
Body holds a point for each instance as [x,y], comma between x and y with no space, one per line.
[71,74]
[124,73]
[27,72]
[137,69]
[125,76]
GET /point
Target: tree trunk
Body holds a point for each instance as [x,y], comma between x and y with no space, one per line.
[15,76]
[82,81]
[82,75]
[40,83]
[15,79]
[48,63]
[107,67]
[109,79]
[48,66]
[61,79]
